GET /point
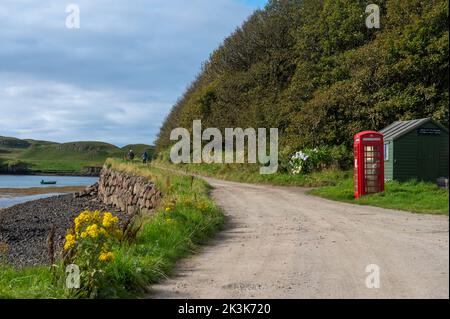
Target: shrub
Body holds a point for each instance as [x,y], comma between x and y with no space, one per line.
[341,157]
[284,158]
[309,160]
[164,156]
[89,245]
[318,159]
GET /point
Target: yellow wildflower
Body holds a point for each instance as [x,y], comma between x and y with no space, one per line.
[93,231]
[82,219]
[70,242]
[109,220]
[202,206]
[169,207]
[96,214]
[106,256]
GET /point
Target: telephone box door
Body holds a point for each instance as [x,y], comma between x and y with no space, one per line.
[369,163]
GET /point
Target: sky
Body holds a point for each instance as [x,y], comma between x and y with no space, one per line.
[116,77]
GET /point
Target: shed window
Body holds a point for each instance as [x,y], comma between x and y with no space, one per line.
[386,152]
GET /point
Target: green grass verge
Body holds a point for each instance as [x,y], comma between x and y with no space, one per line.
[413,196]
[33,282]
[165,238]
[250,174]
[418,197]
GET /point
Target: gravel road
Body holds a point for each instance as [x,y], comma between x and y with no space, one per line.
[281,243]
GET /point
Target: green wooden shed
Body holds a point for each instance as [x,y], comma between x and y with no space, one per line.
[416,149]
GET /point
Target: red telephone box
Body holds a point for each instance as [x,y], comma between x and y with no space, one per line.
[369,163]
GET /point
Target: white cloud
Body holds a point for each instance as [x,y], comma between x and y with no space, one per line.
[63,112]
[114,79]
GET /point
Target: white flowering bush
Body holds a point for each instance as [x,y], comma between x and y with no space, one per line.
[308,160]
[299,162]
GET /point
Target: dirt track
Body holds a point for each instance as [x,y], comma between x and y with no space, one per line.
[281,243]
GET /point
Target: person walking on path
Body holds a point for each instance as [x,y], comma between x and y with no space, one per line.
[131,155]
[144,157]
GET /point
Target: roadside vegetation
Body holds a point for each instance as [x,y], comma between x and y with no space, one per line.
[250,174]
[316,167]
[413,196]
[186,218]
[329,182]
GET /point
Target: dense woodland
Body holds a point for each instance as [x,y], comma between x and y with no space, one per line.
[314,70]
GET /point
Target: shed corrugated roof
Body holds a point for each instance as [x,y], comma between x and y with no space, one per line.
[400,128]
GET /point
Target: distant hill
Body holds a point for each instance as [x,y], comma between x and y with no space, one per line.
[12,142]
[52,157]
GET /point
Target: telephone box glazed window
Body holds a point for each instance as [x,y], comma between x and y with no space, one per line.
[369,163]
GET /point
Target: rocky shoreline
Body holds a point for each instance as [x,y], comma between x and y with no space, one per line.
[25,228]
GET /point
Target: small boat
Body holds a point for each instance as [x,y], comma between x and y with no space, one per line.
[48,182]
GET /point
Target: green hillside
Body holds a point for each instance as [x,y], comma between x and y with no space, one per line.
[13,143]
[73,157]
[314,70]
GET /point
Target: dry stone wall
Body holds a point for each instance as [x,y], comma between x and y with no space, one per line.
[129,193]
